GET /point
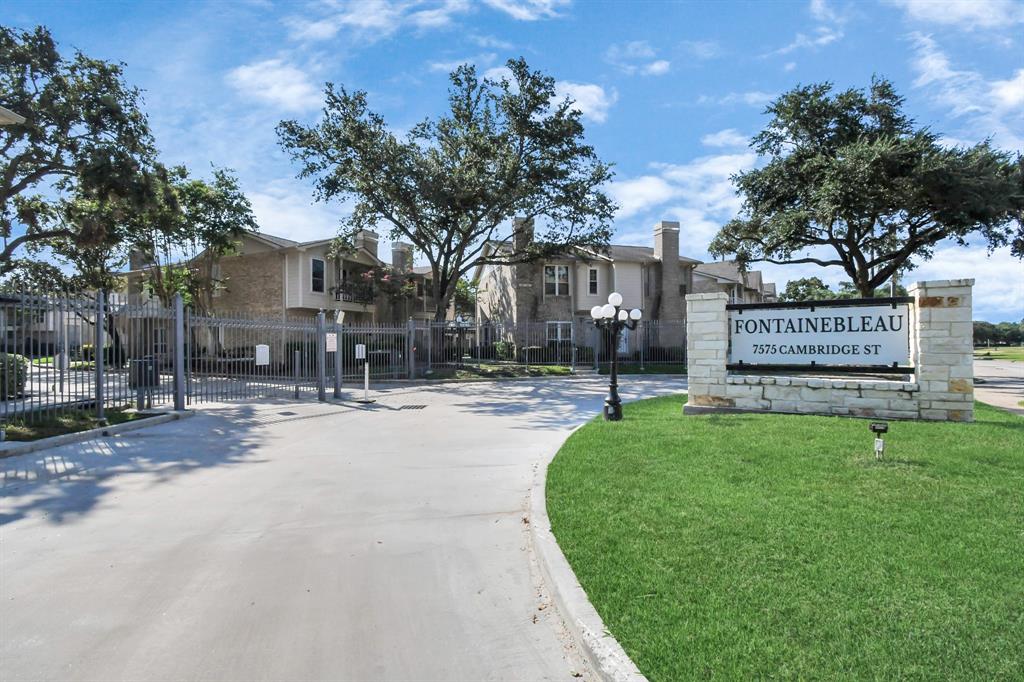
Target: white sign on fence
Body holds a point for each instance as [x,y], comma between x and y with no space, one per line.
[360,351]
[262,355]
[332,342]
[865,335]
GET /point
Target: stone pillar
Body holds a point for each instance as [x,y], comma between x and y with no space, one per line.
[941,348]
[707,351]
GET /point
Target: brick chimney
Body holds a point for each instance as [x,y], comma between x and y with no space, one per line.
[401,256]
[524,233]
[524,275]
[367,239]
[666,250]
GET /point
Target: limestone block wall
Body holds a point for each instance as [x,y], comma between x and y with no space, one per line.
[941,350]
[707,350]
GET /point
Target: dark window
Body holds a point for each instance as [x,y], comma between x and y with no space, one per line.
[682,290]
[593,281]
[556,280]
[317,276]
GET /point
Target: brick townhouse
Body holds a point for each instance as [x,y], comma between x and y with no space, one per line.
[656,280]
[273,277]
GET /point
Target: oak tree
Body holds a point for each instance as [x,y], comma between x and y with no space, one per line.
[451,185]
[851,181]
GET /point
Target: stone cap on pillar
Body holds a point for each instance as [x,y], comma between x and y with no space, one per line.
[708,297]
[941,283]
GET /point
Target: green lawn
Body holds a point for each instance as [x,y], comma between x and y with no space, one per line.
[775,546]
[647,369]
[70,422]
[1014,353]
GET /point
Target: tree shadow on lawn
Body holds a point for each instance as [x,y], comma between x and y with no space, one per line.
[71,480]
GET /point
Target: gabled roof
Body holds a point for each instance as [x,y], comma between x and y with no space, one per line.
[271,240]
[283,243]
[727,270]
[8,117]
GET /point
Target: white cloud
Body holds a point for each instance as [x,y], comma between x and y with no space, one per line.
[828,31]
[789,66]
[1009,94]
[822,36]
[369,19]
[285,208]
[702,49]
[821,11]
[699,193]
[754,98]
[491,42]
[276,82]
[730,137]
[966,14]
[591,100]
[988,108]
[438,17]
[656,68]
[372,20]
[639,195]
[637,56]
[480,60]
[528,10]
[498,72]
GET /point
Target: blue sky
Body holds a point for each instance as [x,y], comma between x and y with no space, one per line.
[670,91]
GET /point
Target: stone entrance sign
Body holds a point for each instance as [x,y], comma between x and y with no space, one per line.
[730,369]
[828,333]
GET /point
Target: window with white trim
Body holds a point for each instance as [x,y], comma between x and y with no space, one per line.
[317,276]
[556,280]
[558,332]
[592,282]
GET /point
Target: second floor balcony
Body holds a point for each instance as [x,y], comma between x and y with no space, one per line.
[354,292]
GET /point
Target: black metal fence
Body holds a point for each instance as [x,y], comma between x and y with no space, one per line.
[61,354]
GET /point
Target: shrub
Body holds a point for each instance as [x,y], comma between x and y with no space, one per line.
[13,369]
[504,350]
[112,357]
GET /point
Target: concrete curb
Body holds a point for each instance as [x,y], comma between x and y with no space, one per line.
[605,655]
[11,448]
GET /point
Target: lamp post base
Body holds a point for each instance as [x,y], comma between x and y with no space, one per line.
[612,410]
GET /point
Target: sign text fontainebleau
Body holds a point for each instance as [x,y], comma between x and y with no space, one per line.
[860,335]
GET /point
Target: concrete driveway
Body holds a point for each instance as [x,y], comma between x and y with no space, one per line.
[1000,383]
[295,541]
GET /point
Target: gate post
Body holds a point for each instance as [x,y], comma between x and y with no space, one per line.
[97,352]
[321,357]
[337,358]
[410,348]
[179,353]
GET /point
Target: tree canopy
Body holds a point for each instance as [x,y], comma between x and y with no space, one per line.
[851,181]
[182,238]
[450,186]
[84,136]
[806,289]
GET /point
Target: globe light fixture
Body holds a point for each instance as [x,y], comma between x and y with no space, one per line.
[613,319]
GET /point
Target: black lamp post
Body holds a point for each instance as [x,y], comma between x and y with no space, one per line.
[612,317]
